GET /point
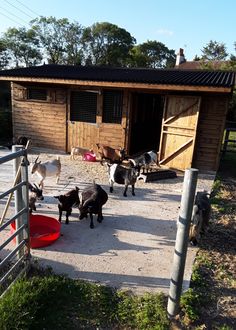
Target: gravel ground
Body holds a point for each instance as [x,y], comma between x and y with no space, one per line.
[132,248]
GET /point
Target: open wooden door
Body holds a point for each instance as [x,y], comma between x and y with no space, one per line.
[178,134]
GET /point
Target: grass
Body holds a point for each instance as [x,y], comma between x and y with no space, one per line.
[48,301]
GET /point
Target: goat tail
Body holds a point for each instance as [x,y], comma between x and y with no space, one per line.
[94,181]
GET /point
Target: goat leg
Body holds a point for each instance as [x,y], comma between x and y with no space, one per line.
[125,191]
[91,221]
[100,216]
[68,213]
[60,214]
[133,190]
[111,187]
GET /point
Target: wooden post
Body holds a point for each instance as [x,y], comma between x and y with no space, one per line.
[181,243]
[226,140]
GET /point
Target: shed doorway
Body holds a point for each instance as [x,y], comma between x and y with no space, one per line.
[146,122]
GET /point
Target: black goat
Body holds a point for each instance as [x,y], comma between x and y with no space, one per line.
[35,193]
[20,140]
[93,198]
[67,201]
[122,175]
[200,216]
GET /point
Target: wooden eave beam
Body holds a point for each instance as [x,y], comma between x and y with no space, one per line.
[107,84]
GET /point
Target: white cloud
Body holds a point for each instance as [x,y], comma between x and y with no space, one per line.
[165,32]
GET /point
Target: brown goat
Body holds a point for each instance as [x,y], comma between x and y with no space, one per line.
[110,154]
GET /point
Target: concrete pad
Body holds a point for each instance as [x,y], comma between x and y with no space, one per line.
[132,248]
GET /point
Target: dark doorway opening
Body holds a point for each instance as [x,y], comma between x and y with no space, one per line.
[6,133]
[146,121]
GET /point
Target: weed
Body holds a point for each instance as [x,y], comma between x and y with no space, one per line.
[57,302]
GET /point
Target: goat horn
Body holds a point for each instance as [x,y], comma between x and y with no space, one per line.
[36,186]
[36,159]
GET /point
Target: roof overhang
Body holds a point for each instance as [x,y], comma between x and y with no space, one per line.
[127,85]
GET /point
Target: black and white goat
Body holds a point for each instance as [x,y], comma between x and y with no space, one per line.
[122,175]
[35,193]
[67,201]
[200,216]
[46,169]
[145,160]
[93,199]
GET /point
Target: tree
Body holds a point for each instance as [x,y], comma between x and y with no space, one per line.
[51,35]
[214,51]
[152,54]
[107,44]
[21,47]
[73,48]
[4,57]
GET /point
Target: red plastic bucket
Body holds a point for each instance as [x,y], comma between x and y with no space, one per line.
[89,157]
[44,230]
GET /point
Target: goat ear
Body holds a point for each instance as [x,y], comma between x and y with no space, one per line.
[57,197]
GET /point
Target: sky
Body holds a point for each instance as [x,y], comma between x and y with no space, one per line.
[187,24]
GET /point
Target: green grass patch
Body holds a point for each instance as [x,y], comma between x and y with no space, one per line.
[57,302]
[197,297]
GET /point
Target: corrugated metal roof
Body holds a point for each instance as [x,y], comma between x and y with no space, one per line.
[129,75]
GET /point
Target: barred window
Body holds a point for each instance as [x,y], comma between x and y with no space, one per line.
[83,107]
[112,107]
[37,94]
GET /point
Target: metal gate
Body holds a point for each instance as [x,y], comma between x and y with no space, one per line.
[15,261]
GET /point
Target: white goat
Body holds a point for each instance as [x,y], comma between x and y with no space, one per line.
[78,151]
[46,169]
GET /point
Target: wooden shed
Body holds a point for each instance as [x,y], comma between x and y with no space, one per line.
[179,113]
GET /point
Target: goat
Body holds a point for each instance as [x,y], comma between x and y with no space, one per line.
[110,154]
[93,198]
[22,140]
[145,160]
[78,151]
[35,193]
[67,201]
[200,216]
[46,169]
[122,175]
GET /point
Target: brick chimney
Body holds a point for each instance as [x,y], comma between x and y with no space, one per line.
[180,57]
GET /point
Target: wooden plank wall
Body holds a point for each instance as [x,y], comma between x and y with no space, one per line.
[86,135]
[178,131]
[43,122]
[210,132]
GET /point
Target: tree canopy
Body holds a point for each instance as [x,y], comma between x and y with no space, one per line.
[107,44]
[59,41]
[152,54]
[214,51]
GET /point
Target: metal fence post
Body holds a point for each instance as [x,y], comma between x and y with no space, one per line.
[25,199]
[18,197]
[181,243]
